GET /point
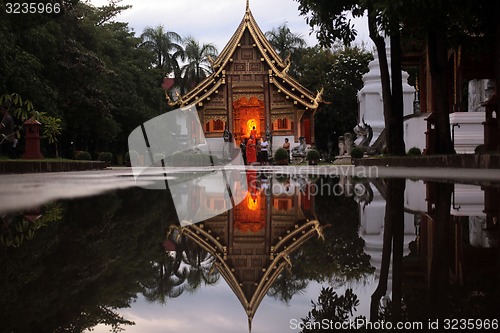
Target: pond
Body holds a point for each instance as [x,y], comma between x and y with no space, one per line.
[423,254]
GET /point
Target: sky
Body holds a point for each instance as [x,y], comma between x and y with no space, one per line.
[216,309]
[215,21]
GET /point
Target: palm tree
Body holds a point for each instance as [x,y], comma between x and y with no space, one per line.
[284,41]
[164,45]
[201,269]
[199,58]
[169,279]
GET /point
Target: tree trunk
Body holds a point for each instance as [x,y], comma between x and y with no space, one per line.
[396,123]
[440,262]
[384,76]
[395,202]
[393,234]
[438,61]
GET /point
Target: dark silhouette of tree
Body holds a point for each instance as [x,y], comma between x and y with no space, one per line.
[339,71]
[286,43]
[198,66]
[200,270]
[165,45]
[331,307]
[287,285]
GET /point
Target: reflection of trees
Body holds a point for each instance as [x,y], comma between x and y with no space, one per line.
[285,287]
[186,269]
[16,228]
[427,290]
[330,307]
[340,257]
[200,267]
[73,274]
[393,241]
[168,280]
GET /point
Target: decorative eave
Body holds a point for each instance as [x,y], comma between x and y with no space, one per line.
[278,68]
[280,259]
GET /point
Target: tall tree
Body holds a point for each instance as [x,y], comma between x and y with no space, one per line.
[165,45]
[286,43]
[331,19]
[339,71]
[199,58]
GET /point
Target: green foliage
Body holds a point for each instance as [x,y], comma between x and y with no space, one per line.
[73,276]
[313,154]
[51,127]
[480,149]
[332,307]
[339,71]
[287,44]
[22,109]
[18,228]
[281,154]
[105,156]
[82,68]
[357,152]
[82,156]
[414,151]
[198,65]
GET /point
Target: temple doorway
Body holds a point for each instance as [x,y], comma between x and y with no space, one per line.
[249,117]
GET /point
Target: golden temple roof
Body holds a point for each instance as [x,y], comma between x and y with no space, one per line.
[278,72]
[279,260]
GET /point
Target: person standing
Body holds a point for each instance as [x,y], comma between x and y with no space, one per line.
[264,151]
[286,146]
[243,147]
[251,150]
[8,136]
[228,140]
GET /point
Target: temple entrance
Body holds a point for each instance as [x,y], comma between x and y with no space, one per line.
[249,117]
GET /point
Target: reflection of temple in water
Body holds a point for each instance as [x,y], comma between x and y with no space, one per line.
[253,241]
[457,227]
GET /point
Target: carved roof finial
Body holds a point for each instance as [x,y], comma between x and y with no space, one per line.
[248,6]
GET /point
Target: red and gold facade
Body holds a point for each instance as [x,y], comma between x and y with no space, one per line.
[250,87]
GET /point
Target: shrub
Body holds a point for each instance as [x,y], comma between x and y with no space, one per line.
[82,156]
[479,149]
[357,152]
[313,154]
[105,157]
[414,151]
[281,154]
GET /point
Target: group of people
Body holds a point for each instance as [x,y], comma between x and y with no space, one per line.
[255,150]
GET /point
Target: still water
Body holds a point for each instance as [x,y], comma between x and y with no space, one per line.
[297,251]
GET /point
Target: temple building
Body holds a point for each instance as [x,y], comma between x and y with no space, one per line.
[250,90]
[252,242]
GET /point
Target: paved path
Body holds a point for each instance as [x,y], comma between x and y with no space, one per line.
[20,191]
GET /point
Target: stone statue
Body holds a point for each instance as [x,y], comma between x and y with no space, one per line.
[364,134]
[341,146]
[348,144]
